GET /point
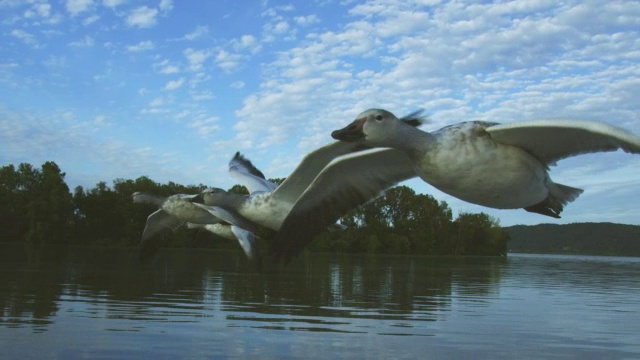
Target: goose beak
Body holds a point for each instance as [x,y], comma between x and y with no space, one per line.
[198,199]
[353,131]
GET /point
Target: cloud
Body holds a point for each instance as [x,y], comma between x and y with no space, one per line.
[26,37]
[306,20]
[42,10]
[166,5]
[227,61]
[113,3]
[246,42]
[174,84]
[196,58]
[237,84]
[205,126]
[493,61]
[199,32]
[54,63]
[165,67]
[90,20]
[75,7]
[86,42]
[141,46]
[142,17]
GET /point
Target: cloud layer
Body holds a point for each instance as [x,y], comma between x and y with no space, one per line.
[175,89]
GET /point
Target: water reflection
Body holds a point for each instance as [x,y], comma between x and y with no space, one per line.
[183,285]
[468,304]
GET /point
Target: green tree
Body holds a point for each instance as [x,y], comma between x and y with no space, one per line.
[479,234]
[49,207]
[13,224]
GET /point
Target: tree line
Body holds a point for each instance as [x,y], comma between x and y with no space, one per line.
[38,208]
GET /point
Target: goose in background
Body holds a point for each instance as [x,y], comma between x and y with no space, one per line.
[178,209]
[245,238]
[173,211]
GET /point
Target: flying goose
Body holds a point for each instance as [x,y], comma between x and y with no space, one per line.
[499,166]
[327,173]
[503,166]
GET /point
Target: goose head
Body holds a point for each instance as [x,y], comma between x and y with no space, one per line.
[376,127]
[210,196]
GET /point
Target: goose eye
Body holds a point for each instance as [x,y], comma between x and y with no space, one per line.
[378,117]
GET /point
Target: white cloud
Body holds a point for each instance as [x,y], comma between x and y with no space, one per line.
[237,84]
[227,61]
[75,7]
[306,20]
[113,3]
[26,37]
[405,56]
[159,101]
[166,5]
[86,42]
[174,84]
[54,63]
[141,46]
[165,67]
[42,10]
[199,32]
[247,42]
[142,17]
[90,20]
[196,58]
[205,126]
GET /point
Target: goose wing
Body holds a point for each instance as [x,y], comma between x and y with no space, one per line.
[241,169]
[309,168]
[344,184]
[553,140]
[156,222]
[246,240]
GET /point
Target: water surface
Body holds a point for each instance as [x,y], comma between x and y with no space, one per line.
[205,304]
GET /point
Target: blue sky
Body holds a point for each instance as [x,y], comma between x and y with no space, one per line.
[171,89]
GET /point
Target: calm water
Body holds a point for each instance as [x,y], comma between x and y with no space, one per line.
[207,304]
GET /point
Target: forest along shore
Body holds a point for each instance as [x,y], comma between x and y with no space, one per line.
[577,238]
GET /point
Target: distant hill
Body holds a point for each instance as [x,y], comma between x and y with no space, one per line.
[577,238]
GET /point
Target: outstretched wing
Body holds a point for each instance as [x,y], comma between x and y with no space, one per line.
[241,169]
[344,184]
[156,222]
[553,140]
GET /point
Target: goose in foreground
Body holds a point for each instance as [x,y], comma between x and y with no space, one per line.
[503,166]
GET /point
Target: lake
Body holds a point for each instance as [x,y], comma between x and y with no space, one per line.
[214,304]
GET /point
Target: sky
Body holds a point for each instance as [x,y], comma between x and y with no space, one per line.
[118,89]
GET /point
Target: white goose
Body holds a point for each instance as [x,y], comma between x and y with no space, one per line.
[501,166]
[173,211]
[328,173]
[178,209]
[498,166]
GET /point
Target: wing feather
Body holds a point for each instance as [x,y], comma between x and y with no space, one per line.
[553,140]
[344,184]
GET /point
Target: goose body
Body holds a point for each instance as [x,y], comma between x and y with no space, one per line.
[502,166]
